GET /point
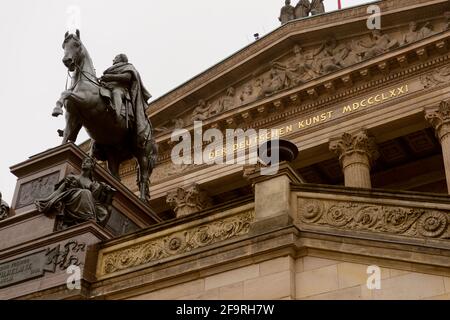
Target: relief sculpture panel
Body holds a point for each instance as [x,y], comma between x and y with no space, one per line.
[36,189]
[304,63]
[177,243]
[387,219]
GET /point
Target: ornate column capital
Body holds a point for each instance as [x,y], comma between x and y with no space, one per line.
[359,145]
[439,118]
[188,200]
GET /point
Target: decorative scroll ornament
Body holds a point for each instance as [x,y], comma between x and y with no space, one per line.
[411,222]
[177,243]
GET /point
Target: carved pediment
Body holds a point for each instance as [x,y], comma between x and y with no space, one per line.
[299,64]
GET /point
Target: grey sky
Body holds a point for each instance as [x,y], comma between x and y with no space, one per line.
[168,41]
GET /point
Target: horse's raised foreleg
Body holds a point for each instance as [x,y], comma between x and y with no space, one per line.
[66,96]
[58,110]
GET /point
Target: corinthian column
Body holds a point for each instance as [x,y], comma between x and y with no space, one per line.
[356,153]
[439,117]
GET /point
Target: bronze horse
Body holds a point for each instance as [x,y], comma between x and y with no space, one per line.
[113,140]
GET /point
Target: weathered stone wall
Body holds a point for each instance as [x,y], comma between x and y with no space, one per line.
[307,278]
[318,278]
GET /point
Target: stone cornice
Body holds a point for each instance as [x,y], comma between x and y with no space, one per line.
[303,26]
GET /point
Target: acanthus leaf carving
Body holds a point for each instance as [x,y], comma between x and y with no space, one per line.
[439,118]
[360,142]
[188,200]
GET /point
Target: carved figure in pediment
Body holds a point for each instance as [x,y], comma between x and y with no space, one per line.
[258,84]
[215,109]
[328,57]
[201,112]
[447,21]
[4,208]
[277,79]
[317,7]
[378,44]
[439,76]
[178,123]
[287,12]
[247,94]
[300,69]
[349,54]
[302,9]
[228,102]
[415,34]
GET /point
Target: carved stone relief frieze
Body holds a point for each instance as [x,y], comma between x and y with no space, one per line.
[437,77]
[177,243]
[305,64]
[302,24]
[388,219]
[36,189]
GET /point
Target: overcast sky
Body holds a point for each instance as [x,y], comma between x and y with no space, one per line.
[168,41]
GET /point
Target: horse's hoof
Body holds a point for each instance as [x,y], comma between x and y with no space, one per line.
[57,112]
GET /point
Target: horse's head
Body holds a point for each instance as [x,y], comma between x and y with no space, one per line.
[73,50]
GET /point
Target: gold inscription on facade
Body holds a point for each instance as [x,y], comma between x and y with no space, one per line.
[377,99]
[314,120]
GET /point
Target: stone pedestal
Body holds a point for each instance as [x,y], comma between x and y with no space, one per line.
[439,118]
[35,255]
[356,154]
[273,194]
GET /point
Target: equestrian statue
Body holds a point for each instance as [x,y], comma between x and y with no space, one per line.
[112,109]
